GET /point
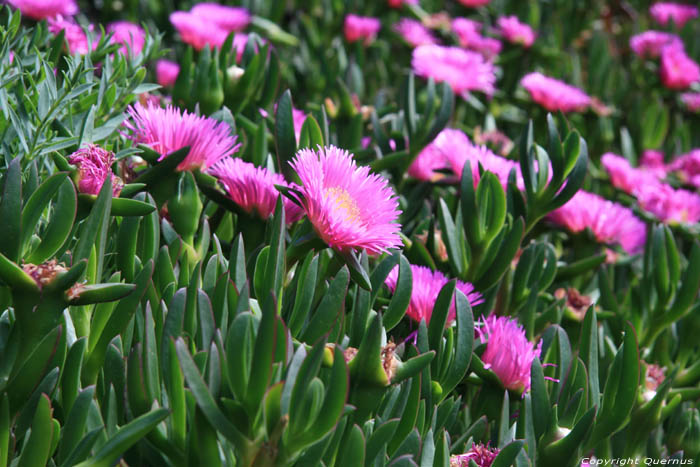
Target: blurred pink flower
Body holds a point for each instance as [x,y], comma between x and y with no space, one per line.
[42,9]
[298,119]
[516,32]
[650,43]
[349,208]
[687,167]
[75,36]
[691,100]
[610,223]
[469,34]
[197,31]
[230,19]
[668,204]
[414,33]
[624,176]
[474,3]
[432,158]
[253,188]
[129,34]
[166,72]
[463,70]
[555,95]
[94,166]
[167,130]
[663,12]
[361,28]
[678,71]
[482,456]
[400,3]
[508,352]
[653,161]
[426,288]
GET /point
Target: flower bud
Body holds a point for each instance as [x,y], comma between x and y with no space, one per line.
[185,207]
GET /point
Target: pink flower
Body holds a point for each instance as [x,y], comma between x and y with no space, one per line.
[75,36]
[669,205]
[427,165]
[624,176]
[414,33]
[167,130]
[463,70]
[230,19]
[516,32]
[653,161]
[678,71]
[687,167]
[253,188]
[651,43]
[426,288]
[553,94]
[94,166]
[129,34]
[508,352]
[197,31]
[166,72]
[469,34]
[361,28]
[482,456]
[691,100]
[610,223]
[400,3]
[298,119]
[348,207]
[42,9]
[663,12]
[474,3]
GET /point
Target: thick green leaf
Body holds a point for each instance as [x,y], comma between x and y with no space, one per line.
[11,210]
[75,423]
[507,456]
[285,140]
[402,295]
[37,449]
[329,309]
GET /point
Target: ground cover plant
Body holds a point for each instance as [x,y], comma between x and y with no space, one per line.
[349,233]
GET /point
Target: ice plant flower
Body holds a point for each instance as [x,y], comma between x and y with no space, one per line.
[555,95]
[427,165]
[653,160]
[474,3]
[168,129]
[516,32]
[349,208]
[94,166]
[691,100]
[131,35]
[469,35]
[42,9]
[414,33]
[610,223]
[166,72]
[463,70]
[678,71]
[400,3]
[687,167]
[361,28]
[481,455]
[230,19]
[508,352]
[663,12]
[197,31]
[649,44]
[624,176]
[671,206]
[253,188]
[298,119]
[75,36]
[426,288]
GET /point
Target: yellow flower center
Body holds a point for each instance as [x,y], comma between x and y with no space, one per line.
[344,202]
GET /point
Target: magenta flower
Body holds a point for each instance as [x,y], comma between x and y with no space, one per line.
[474,3]
[508,352]
[687,167]
[197,31]
[482,456]
[555,95]
[361,28]
[414,33]
[624,176]
[678,71]
[463,70]
[671,206]
[349,207]
[426,288]
[427,165]
[75,36]
[230,19]
[400,3]
[166,72]
[653,161]
[131,35]
[469,34]
[94,166]
[167,130]
[253,188]
[650,43]
[298,119]
[691,100]
[516,32]
[42,9]
[663,12]
[610,223]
